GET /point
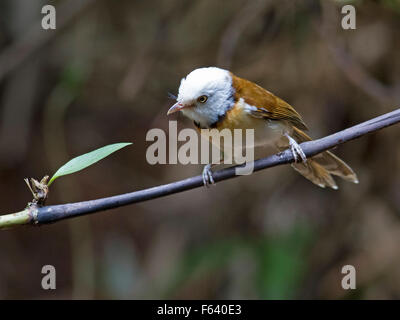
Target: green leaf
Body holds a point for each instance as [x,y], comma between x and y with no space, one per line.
[87,159]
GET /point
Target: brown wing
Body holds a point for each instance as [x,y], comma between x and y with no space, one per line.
[268,105]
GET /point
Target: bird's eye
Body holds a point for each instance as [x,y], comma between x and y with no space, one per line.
[202,99]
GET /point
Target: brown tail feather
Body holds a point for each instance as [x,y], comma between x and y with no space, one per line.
[320,168]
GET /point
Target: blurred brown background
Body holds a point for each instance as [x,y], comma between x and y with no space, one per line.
[103,77]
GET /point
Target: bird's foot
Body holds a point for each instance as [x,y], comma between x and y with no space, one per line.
[207,176]
[296,150]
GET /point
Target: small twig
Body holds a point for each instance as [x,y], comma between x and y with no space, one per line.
[49,214]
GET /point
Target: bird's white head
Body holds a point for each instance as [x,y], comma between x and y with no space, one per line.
[205,95]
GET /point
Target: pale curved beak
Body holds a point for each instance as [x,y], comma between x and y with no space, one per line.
[178,107]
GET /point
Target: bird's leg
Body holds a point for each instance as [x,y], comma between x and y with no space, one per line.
[207,175]
[296,149]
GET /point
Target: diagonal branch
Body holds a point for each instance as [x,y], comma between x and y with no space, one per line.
[49,214]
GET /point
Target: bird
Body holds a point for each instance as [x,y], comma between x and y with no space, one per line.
[215,98]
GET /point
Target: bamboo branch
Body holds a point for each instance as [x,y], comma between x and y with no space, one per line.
[48,214]
[14,219]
